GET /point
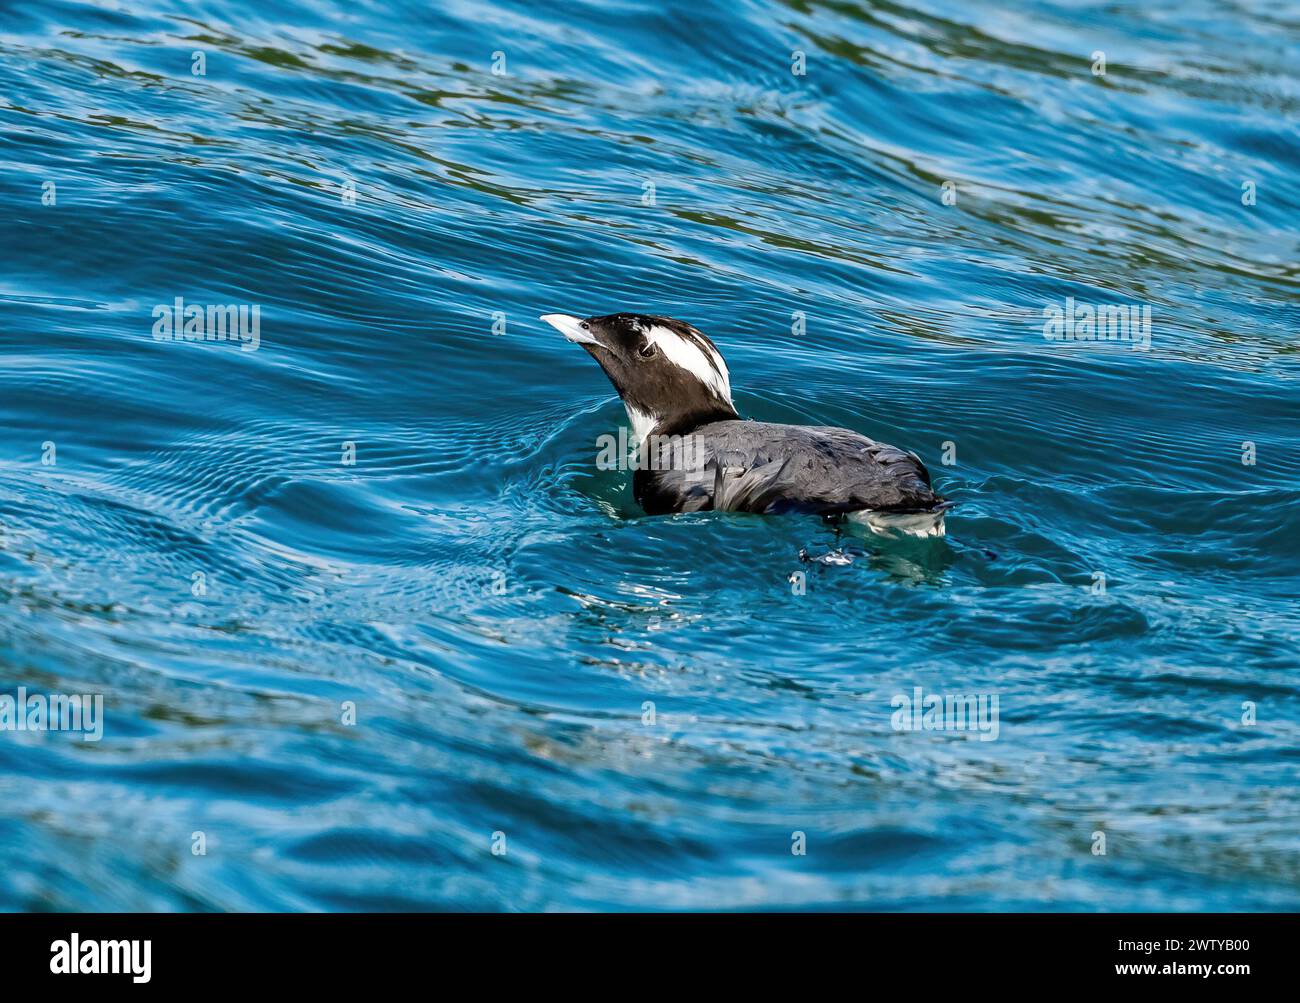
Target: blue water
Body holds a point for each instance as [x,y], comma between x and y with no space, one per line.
[643,712]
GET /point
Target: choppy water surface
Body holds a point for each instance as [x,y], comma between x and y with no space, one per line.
[495,606]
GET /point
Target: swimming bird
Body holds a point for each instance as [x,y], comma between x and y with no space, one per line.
[702,455]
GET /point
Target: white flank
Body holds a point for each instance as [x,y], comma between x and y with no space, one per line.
[905,523]
[689,355]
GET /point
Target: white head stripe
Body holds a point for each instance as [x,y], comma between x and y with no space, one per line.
[695,357]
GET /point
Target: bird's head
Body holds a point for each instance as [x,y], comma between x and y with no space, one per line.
[670,376]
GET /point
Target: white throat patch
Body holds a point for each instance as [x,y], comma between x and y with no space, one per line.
[642,424]
[696,357]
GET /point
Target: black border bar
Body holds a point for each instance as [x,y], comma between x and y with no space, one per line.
[931,951]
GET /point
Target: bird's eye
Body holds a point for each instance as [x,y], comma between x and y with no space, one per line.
[647,351]
[586,326]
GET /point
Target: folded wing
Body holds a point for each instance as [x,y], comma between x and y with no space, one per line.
[748,466]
